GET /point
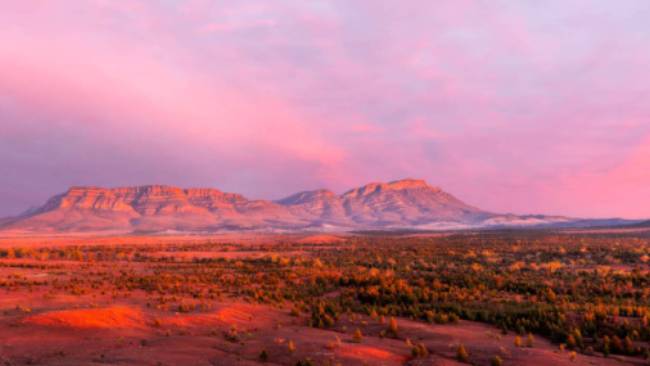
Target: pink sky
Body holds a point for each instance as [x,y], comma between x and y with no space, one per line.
[513,106]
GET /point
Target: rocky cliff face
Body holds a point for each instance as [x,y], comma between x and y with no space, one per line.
[403,203]
[144,200]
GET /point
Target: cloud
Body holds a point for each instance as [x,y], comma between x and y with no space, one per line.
[616,190]
[511,106]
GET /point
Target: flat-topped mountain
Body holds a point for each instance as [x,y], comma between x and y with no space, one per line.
[152,208]
[407,203]
[143,200]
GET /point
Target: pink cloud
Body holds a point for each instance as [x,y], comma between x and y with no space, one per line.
[512,107]
[619,190]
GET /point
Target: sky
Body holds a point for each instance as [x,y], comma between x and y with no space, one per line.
[512,106]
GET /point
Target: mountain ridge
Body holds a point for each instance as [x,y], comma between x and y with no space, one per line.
[399,204]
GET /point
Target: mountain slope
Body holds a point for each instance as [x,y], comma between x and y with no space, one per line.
[408,201]
[321,206]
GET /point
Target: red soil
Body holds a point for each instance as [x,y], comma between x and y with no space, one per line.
[115,334]
[116,317]
[367,353]
[228,315]
[321,239]
[190,255]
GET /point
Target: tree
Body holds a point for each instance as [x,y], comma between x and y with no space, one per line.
[571,341]
[617,344]
[606,350]
[496,361]
[628,345]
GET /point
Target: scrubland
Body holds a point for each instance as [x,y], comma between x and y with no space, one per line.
[484,298]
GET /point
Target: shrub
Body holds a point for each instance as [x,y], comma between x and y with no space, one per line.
[357,337]
[419,350]
[572,356]
[392,327]
[264,356]
[231,335]
[530,340]
[461,353]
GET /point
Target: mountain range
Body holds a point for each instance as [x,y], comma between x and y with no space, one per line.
[402,204]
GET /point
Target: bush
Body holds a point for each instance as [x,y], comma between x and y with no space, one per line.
[357,337]
[419,351]
[392,327]
[264,356]
[461,353]
[530,340]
